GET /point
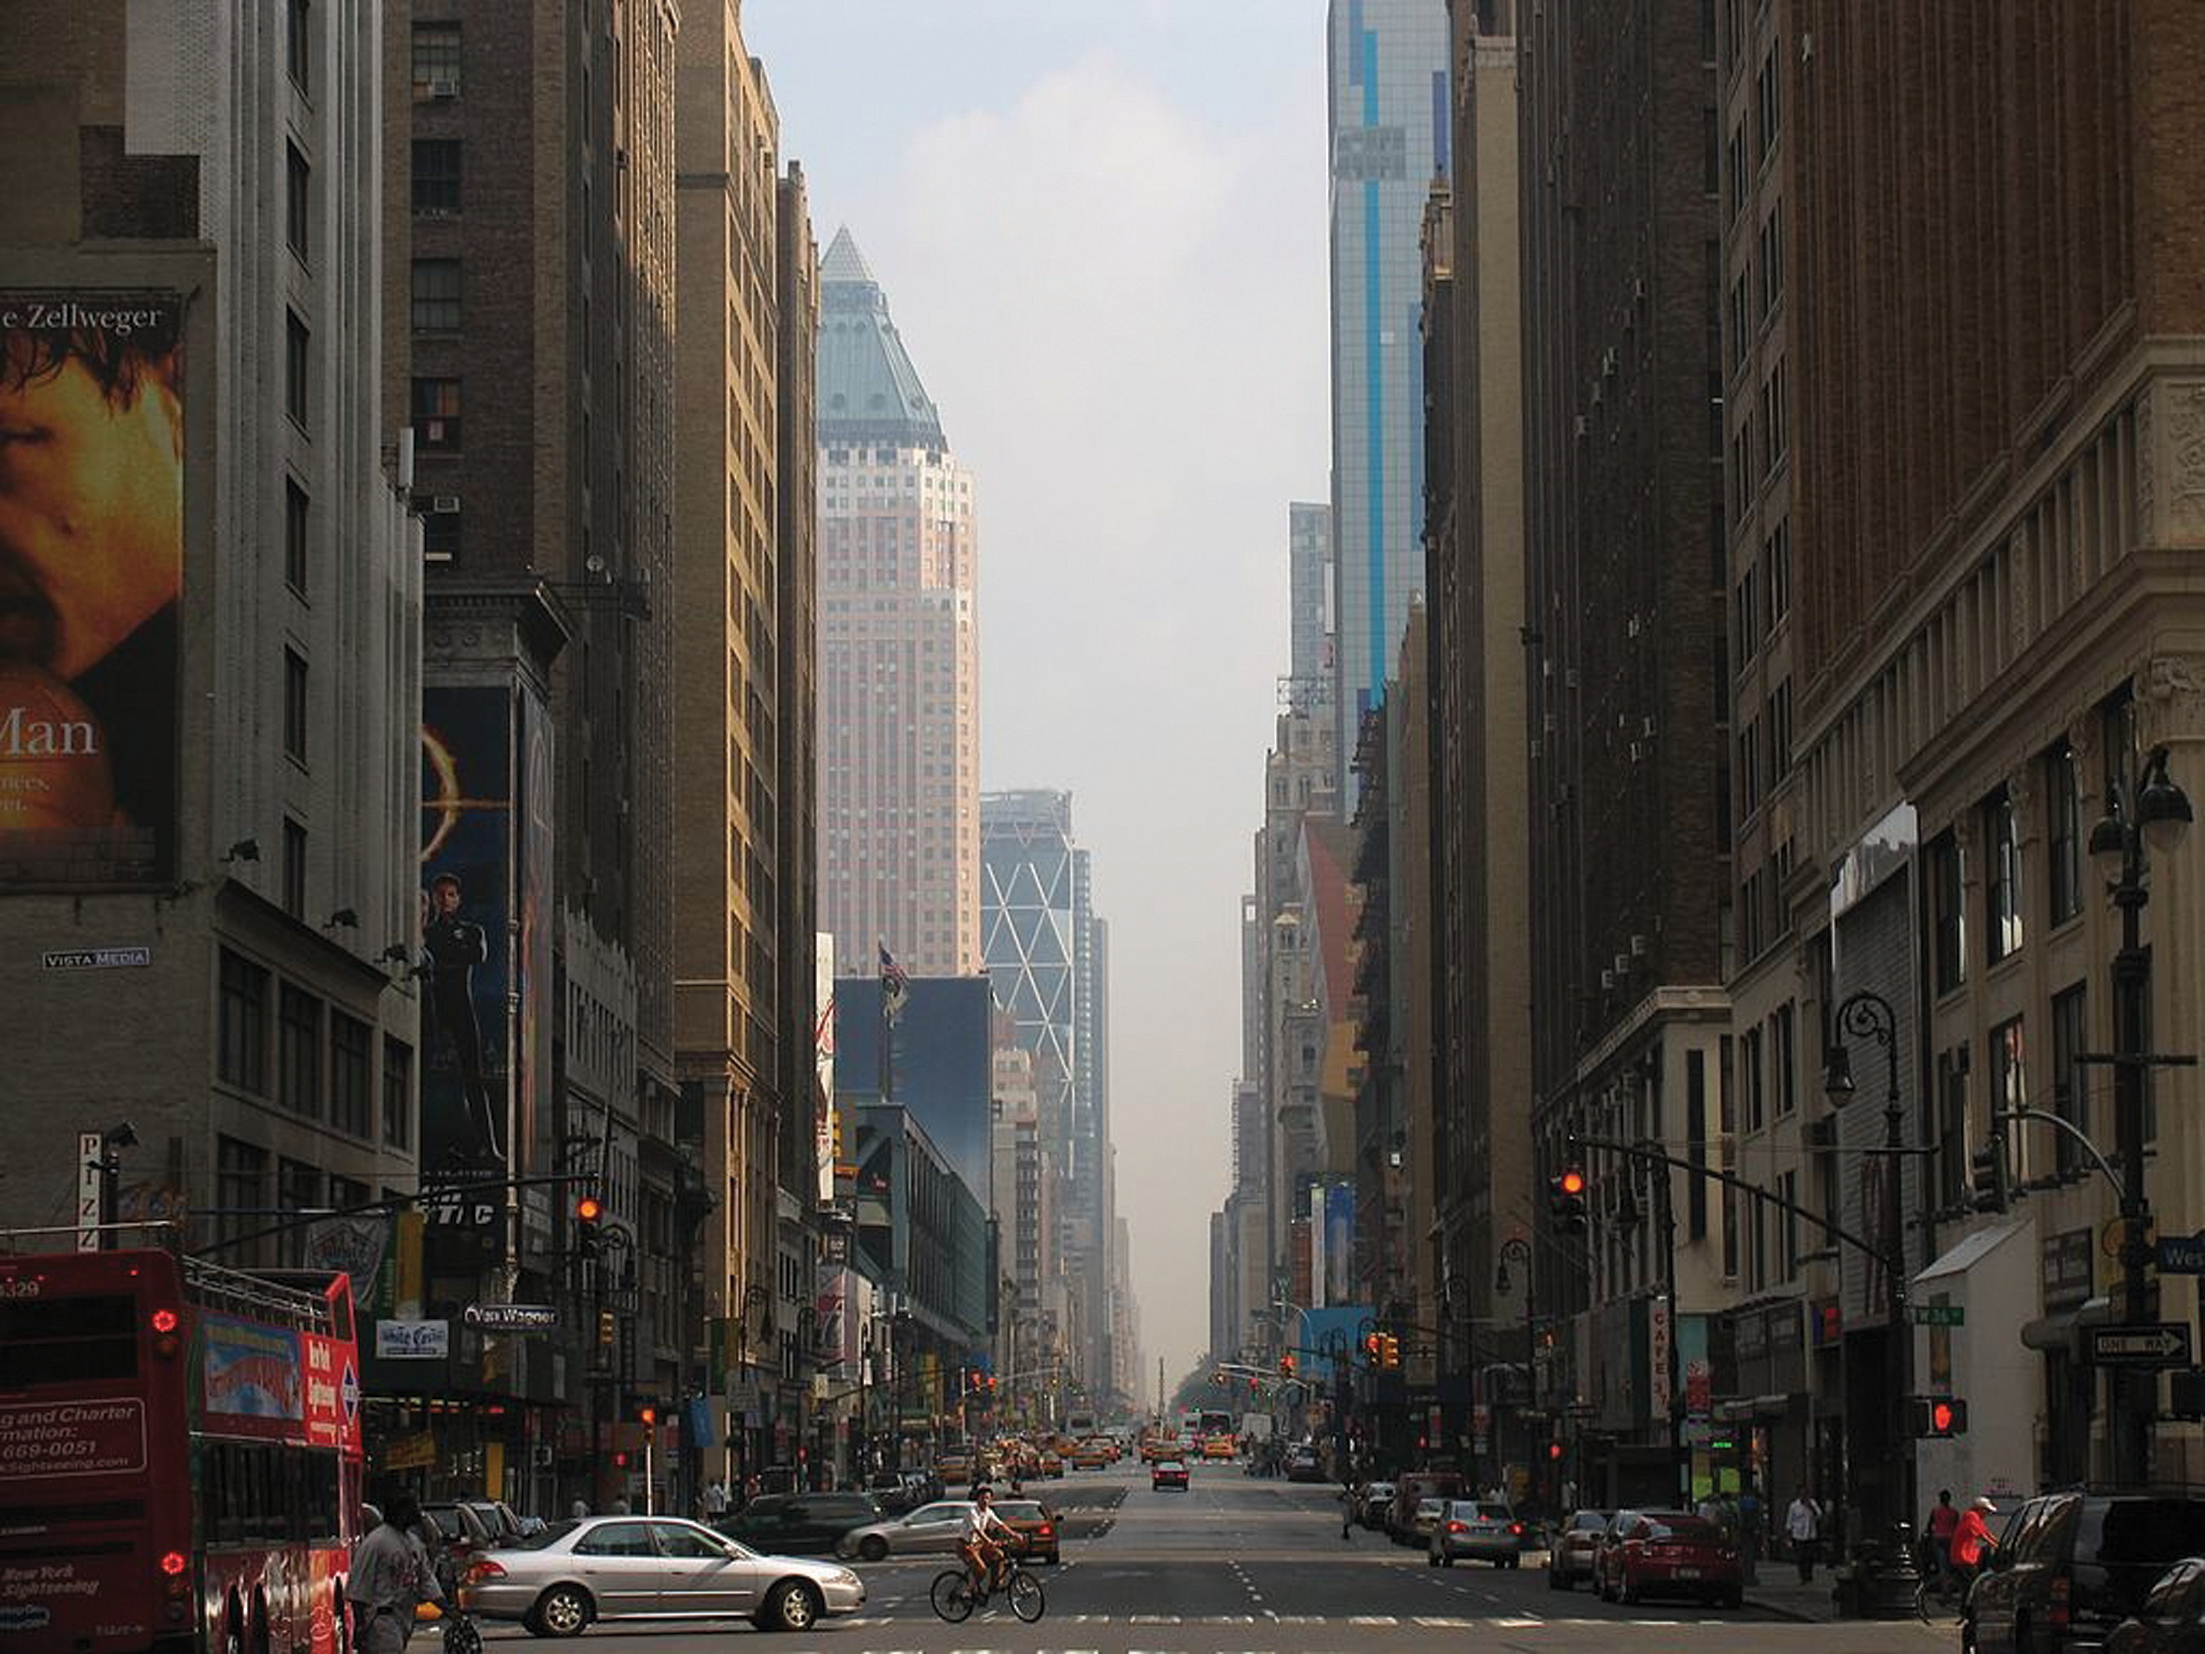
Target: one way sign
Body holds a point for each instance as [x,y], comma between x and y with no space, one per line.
[2166,1344]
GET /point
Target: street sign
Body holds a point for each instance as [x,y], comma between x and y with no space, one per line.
[1940,1315]
[2182,1254]
[510,1317]
[2166,1344]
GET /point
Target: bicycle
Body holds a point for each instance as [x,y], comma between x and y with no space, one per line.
[956,1601]
[1942,1597]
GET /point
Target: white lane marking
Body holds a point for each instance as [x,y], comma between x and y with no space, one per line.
[1372,1619]
[1522,1624]
[1442,1622]
[1154,1619]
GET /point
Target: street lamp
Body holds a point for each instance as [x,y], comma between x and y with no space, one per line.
[2118,844]
[1865,1014]
[1517,1250]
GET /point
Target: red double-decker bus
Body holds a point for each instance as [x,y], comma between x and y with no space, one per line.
[179,1456]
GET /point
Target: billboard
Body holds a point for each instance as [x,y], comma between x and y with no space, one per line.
[91,573]
[825,1131]
[1339,1242]
[468,777]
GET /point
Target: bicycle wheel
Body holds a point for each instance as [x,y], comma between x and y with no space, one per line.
[1027,1601]
[1936,1601]
[952,1596]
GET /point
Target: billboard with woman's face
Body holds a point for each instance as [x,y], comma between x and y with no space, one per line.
[91,569]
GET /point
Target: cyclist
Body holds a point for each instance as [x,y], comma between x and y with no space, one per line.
[985,1540]
[1971,1540]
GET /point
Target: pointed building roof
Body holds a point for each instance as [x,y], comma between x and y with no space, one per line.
[868,389]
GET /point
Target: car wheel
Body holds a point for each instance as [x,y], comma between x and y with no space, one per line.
[561,1611]
[790,1606]
[872,1548]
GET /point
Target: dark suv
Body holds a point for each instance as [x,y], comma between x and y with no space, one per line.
[784,1522]
[2071,1566]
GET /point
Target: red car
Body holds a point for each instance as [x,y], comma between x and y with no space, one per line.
[1670,1552]
[1168,1473]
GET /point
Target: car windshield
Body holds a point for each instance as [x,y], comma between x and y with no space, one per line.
[1687,1529]
[1589,1521]
[1430,1507]
[448,1521]
[1493,1513]
[1021,1510]
[550,1535]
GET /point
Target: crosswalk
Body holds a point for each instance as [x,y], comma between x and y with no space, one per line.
[1429,1622]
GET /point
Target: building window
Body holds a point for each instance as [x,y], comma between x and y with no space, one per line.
[1772,258]
[435,60]
[298,198]
[2002,884]
[1695,1132]
[294,869]
[241,1057]
[440,533]
[240,1199]
[1768,112]
[298,1189]
[1952,1129]
[1775,420]
[436,175]
[351,1108]
[299,1051]
[397,1093]
[297,340]
[1751,1054]
[1947,913]
[1787,1054]
[294,705]
[436,415]
[347,1194]
[298,47]
[436,295]
[2063,833]
[1778,551]
[1787,1190]
[2009,1091]
[2070,1076]
[296,523]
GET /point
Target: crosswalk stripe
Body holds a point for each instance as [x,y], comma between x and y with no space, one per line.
[1372,1619]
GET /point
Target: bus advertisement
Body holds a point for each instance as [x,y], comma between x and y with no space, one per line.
[180,1455]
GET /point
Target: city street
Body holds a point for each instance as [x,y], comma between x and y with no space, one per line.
[1241,1566]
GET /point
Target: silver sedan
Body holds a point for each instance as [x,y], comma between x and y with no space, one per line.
[650,1568]
[929,1530]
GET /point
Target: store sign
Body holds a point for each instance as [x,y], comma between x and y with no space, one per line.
[415,1452]
[510,1317]
[2069,1272]
[413,1340]
[1657,1358]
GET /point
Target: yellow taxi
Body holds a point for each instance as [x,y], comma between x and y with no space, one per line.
[1218,1447]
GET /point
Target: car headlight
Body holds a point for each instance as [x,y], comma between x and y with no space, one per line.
[843,1576]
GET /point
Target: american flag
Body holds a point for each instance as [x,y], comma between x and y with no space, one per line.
[895,987]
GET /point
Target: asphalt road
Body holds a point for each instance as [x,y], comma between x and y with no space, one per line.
[1238,1565]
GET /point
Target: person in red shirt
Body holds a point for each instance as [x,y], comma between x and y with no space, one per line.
[1971,1538]
[1944,1517]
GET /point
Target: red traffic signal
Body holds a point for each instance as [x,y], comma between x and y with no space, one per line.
[589,1209]
[1938,1416]
[1554,1452]
[647,1415]
[1572,1182]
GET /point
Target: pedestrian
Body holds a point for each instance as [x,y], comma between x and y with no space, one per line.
[579,1509]
[1347,1510]
[391,1578]
[1803,1526]
[620,1507]
[1944,1517]
[715,1499]
[1749,1533]
[1710,1509]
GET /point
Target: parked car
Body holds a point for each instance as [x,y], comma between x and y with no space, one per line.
[1372,1502]
[473,1524]
[1669,1552]
[1035,1523]
[792,1522]
[1303,1465]
[2172,1618]
[1475,1528]
[631,1567]
[1427,1516]
[930,1530]
[1576,1543]
[2070,1567]
[1168,1473]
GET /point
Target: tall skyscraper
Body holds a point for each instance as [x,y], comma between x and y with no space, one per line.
[1309,582]
[899,648]
[742,568]
[1047,961]
[1386,64]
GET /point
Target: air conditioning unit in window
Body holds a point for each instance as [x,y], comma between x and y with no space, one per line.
[542,1456]
[444,86]
[444,504]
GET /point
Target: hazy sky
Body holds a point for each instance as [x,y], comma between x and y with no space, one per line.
[1101,228]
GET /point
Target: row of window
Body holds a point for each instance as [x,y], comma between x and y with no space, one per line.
[2005,886]
[1760,443]
[1762,596]
[279,1042]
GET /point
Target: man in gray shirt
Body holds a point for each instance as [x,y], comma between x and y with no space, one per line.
[391,1576]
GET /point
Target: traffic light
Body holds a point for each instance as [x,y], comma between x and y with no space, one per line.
[1566,1200]
[1374,1346]
[647,1416]
[589,1225]
[1286,1366]
[1389,1351]
[1987,1173]
[1937,1417]
[1554,1452]
[607,1329]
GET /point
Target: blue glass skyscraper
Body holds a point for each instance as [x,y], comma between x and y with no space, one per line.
[1386,63]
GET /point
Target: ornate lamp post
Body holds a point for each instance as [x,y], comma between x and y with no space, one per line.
[1517,1250]
[1865,1014]
[2149,812]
